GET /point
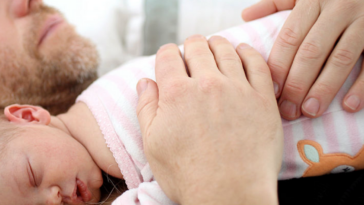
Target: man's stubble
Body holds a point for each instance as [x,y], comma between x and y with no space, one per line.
[52,78]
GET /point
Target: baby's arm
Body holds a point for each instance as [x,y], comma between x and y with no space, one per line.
[84,128]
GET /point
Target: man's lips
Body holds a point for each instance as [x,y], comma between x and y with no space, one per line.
[49,27]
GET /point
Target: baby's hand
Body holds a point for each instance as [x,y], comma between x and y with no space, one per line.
[317,33]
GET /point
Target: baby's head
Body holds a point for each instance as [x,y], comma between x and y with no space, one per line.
[41,164]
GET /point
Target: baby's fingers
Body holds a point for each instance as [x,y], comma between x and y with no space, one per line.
[257,70]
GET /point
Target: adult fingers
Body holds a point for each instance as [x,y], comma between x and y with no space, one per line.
[169,63]
[227,59]
[289,40]
[354,100]
[336,71]
[198,56]
[257,70]
[308,62]
[266,7]
[147,104]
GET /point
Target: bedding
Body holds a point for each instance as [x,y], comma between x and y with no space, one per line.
[125,29]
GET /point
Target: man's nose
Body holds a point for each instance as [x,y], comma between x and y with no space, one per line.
[21,8]
[54,197]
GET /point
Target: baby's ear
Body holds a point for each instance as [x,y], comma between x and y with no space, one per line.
[27,114]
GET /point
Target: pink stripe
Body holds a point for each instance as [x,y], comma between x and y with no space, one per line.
[330,131]
[121,116]
[353,132]
[125,163]
[131,96]
[139,73]
[350,120]
[125,90]
[284,14]
[290,153]
[272,27]
[256,40]
[226,34]
[308,130]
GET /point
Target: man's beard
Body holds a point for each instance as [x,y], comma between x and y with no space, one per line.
[52,78]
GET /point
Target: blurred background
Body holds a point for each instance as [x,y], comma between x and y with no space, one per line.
[125,29]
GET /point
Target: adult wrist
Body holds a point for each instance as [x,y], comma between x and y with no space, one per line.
[262,192]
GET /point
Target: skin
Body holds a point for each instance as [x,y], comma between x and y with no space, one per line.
[55,160]
[58,67]
[60,149]
[55,146]
[211,120]
[315,52]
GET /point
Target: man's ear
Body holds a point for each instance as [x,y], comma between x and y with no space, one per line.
[27,114]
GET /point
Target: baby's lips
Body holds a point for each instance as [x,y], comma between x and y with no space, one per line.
[83,191]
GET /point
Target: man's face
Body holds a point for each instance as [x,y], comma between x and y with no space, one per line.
[43,61]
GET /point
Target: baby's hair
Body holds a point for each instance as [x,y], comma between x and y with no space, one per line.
[111,189]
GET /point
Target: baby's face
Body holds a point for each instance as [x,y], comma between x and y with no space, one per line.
[45,165]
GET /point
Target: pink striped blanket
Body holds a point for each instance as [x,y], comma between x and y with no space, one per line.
[332,143]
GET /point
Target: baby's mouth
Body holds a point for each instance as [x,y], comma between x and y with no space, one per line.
[80,195]
[82,191]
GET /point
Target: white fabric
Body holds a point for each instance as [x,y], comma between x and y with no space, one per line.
[116,26]
[209,16]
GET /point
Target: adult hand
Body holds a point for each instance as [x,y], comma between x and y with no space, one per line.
[212,134]
[318,33]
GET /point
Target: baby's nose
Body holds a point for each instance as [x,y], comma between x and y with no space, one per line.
[54,197]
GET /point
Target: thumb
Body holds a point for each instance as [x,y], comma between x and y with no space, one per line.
[147,104]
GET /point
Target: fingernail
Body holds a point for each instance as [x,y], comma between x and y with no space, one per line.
[276,88]
[166,46]
[214,38]
[244,46]
[289,109]
[142,86]
[353,102]
[311,106]
[197,36]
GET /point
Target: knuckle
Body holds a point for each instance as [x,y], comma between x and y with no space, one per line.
[289,38]
[218,40]
[261,70]
[175,88]
[210,84]
[324,89]
[343,58]
[228,58]
[165,56]
[310,50]
[277,68]
[143,105]
[346,6]
[197,53]
[295,87]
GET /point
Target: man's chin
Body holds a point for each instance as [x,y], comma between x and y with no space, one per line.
[69,66]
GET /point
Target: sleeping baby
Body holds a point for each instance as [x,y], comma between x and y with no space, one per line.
[60,159]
